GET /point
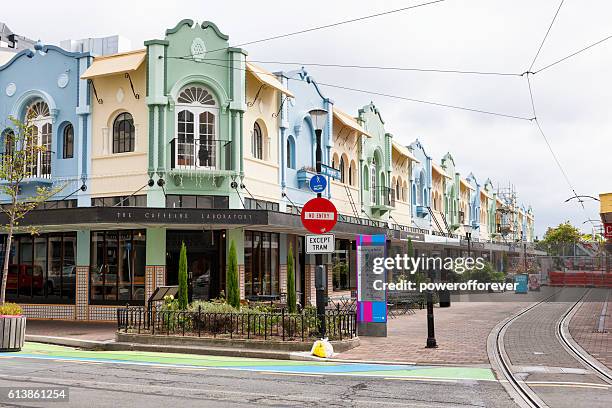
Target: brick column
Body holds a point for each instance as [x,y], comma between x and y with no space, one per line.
[240,281]
[282,281]
[309,285]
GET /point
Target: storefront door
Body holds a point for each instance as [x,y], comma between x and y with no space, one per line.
[205,261]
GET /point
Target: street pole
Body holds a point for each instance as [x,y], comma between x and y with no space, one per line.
[319,267]
[431,335]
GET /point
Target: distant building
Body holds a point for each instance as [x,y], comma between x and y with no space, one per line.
[98,46]
[12,41]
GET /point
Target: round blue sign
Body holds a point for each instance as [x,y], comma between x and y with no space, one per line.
[318,183]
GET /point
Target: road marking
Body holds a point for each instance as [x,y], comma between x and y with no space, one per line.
[422,379]
[566,384]
[290,374]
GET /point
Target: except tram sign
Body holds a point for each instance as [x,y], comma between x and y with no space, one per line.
[319,215]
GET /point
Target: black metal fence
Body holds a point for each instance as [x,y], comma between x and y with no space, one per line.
[279,325]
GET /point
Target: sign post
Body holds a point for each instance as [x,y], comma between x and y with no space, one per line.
[371,303]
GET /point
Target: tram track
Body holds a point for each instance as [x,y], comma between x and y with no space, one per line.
[521,390]
[576,351]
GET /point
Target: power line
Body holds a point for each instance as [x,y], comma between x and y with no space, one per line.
[546,35]
[439,104]
[338,23]
[377,67]
[573,54]
[552,152]
[425,102]
[537,122]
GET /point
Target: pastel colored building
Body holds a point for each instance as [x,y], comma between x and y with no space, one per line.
[187,141]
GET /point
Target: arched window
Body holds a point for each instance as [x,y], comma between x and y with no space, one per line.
[398,189]
[334,162]
[123,133]
[257,142]
[342,166]
[196,95]
[68,142]
[196,132]
[405,191]
[8,138]
[351,173]
[373,182]
[290,152]
[38,118]
[45,154]
[366,177]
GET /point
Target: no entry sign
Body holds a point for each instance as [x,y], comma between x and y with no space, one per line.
[319,215]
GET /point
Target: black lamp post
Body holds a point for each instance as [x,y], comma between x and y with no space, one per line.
[431,335]
[319,120]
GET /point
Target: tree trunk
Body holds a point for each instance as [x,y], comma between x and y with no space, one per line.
[5,267]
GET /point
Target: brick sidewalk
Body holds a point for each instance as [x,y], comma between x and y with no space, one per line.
[584,328]
[461,333]
[96,331]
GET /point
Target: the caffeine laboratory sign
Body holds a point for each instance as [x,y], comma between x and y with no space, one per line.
[168,216]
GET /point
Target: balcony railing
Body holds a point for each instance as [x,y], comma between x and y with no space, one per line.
[39,167]
[383,196]
[201,154]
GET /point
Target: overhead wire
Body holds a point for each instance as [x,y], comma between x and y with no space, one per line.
[433,103]
[535,116]
[546,35]
[324,26]
[573,54]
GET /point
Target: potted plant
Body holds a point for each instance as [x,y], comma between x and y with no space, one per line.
[12,327]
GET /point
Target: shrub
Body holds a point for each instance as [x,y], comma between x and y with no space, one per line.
[183,296]
[233,290]
[291,295]
[10,309]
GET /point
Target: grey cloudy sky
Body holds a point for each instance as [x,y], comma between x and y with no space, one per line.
[572,98]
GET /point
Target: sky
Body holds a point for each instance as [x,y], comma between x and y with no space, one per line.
[571,99]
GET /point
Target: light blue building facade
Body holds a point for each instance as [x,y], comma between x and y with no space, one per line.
[420,185]
[44,85]
[297,136]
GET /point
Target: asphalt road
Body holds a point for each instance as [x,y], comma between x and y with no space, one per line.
[134,384]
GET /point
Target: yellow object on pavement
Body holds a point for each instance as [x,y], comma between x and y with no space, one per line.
[322,348]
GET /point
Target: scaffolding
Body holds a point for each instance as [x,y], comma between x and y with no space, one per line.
[507,214]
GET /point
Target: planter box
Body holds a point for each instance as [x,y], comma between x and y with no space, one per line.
[12,332]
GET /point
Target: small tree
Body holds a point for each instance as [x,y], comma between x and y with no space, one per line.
[291,296]
[233,291]
[19,163]
[183,296]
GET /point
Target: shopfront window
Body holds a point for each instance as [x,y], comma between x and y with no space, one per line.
[343,272]
[261,258]
[42,268]
[117,272]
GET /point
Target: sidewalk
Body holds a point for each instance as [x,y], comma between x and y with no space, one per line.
[592,331]
[89,331]
[461,333]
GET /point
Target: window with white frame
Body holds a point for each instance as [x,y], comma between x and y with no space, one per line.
[38,118]
[195,144]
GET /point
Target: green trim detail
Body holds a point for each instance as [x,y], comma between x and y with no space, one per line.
[239,50]
[151,140]
[212,25]
[180,24]
[156,42]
